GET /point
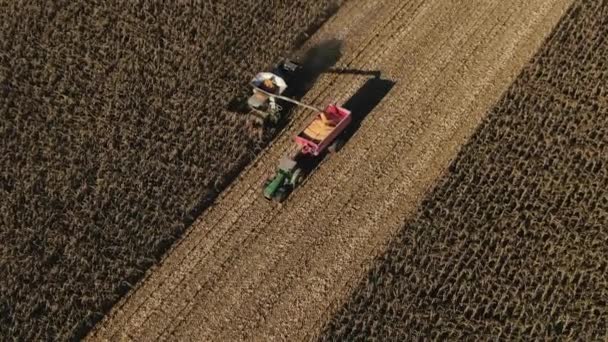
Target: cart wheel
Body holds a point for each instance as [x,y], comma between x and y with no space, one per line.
[336,146]
[296,177]
[281,194]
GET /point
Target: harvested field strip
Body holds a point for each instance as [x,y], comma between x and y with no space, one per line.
[113,139]
[512,243]
[381,198]
[251,187]
[256,271]
[333,208]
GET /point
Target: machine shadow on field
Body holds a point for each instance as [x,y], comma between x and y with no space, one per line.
[361,103]
[364,101]
[315,61]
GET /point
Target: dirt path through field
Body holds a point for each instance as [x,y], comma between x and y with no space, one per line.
[251,270]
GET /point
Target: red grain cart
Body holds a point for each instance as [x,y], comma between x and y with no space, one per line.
[322,131]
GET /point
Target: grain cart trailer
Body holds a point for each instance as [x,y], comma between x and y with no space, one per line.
[321,133]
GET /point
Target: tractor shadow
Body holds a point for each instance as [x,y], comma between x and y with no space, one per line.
[361,104]
[364,101]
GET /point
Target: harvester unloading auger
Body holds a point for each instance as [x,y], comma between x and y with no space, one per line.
[269,86]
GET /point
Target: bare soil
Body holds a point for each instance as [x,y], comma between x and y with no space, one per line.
[253,270]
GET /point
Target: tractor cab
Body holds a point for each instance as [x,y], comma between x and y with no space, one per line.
[285,179]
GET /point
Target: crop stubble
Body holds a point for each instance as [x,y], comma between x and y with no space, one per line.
[217,222]
[281,267]
[512,242]
[114,139]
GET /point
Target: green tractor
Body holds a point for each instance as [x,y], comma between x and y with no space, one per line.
[285,179]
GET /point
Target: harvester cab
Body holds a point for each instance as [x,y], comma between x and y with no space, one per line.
[269,85]
[268,88]
[266,85]
[285,179]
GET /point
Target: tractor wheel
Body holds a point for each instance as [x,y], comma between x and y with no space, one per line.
[336,146]
[281,194]
[296,177]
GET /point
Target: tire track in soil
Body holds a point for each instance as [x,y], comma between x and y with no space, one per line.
[296,194]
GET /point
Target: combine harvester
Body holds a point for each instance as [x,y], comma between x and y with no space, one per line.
[268,87]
